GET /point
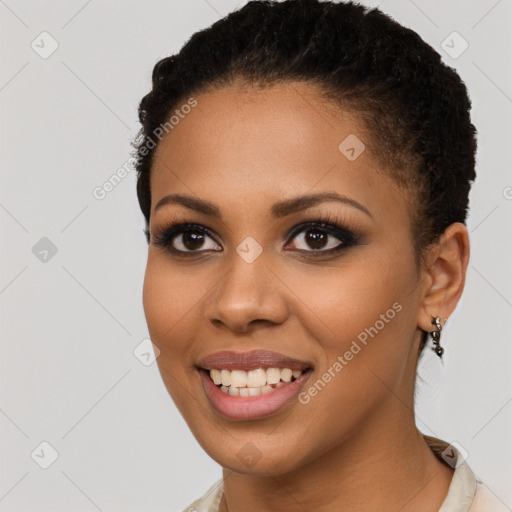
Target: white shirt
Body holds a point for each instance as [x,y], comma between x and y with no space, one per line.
[465,494]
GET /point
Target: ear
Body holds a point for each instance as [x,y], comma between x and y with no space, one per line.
[444,275]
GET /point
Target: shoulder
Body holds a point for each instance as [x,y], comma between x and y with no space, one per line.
[486,501]
[466,493]
[209,501]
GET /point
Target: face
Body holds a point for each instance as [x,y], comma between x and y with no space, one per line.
[258,271]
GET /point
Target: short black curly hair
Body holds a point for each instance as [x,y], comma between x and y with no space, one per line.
[415,107]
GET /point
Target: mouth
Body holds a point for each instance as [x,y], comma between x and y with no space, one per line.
[254,382]
[251,385]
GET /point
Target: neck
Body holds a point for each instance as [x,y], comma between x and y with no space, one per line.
[384,468]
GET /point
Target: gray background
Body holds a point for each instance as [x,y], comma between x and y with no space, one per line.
[70,321]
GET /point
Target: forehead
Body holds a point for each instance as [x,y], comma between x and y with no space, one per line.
[264,144]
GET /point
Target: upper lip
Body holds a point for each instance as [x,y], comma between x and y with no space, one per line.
[228,360]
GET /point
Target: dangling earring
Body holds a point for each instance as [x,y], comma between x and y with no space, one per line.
[436,336]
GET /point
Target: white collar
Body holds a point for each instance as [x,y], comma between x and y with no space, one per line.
[463,485]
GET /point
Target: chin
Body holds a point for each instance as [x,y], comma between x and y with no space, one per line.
[254,454]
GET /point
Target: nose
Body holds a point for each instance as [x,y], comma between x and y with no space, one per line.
[248,294]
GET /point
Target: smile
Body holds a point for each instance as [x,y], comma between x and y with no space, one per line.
[251,385]
[252,402]
[254,382]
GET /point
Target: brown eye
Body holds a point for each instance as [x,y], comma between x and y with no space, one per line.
[191,240]
[322,238]
[185,238]
[315,238]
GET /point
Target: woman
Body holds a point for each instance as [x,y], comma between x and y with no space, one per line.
[304,170]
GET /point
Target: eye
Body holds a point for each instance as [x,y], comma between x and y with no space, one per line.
[315,238]
[185,238]
[322,238]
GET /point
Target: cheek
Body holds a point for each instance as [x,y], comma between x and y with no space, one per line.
[170,297]
[360,319]
[363,313]
[168,300]
[339,302]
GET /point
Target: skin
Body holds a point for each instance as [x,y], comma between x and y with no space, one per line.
[354,446]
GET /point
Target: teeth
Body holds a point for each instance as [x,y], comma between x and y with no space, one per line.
[255,378]
[254,382]
[216,377]
[239,379]
[273,375]
[225,377]
[286,375]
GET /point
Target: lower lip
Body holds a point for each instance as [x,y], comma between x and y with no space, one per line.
[252,407]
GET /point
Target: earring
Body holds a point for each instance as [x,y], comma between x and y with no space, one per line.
[436,336]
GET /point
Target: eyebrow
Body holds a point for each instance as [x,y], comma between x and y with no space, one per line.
[278,210]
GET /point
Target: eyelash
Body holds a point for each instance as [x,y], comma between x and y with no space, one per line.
[326,223]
